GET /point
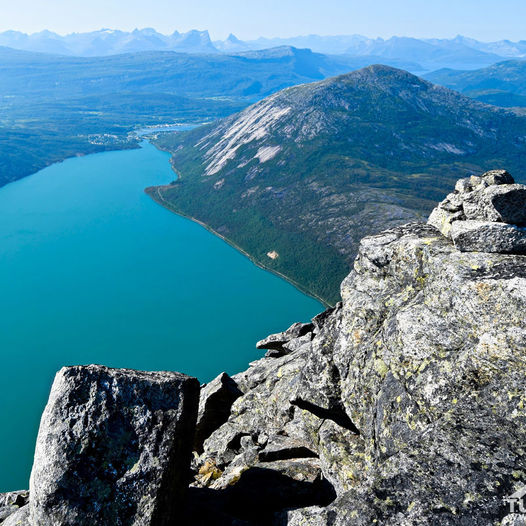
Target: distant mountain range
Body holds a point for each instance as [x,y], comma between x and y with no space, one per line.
[252,75]
[299,178]
[51,106]
[423,55]
[108,42]
[503,84]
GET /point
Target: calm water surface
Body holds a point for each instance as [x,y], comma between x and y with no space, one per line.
[93,271]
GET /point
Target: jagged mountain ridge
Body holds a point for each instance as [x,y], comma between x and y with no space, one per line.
[459,52]
[310,170]
[108,42]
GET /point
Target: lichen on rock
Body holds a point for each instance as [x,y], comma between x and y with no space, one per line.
[485,214]
[113,448]
[411,393]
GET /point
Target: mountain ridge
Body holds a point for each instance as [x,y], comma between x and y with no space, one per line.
[502,84]
[430,54]
[309,170]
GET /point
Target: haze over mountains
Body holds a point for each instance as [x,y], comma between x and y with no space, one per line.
[503,84]
[53,107]
[423,54]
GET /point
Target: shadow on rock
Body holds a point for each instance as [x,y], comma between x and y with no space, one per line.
[255,499]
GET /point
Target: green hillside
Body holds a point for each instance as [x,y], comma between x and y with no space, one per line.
[309,171]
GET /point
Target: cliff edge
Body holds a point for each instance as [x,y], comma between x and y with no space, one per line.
[409,396]
[404,404]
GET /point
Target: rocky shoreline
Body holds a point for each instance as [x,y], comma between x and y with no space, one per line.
[402,405]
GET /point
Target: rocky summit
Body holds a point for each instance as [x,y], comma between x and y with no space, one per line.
[403,405]
[486,213]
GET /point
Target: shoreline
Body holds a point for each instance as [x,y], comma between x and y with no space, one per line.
[154,193]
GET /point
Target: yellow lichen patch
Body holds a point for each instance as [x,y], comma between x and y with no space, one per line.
[209,472]
[380,367]
[236,475]
[135,467]
[357,336]
[429,241]
[483,290]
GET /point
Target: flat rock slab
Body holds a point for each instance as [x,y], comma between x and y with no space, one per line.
[277,341]
[215,402]
[114,448]
[483,236]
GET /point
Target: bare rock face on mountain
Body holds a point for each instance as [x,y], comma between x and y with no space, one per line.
[113,448]
[407,403]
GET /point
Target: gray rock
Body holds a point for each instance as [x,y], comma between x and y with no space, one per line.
[19,518]
[498,177]
[113,448]
[493,197]
[277,341]
[411,392]
[472,183]
[14,498]
[481,236]
[504,203]
[215,402]
[514,519]
[291,346]
[442,219]
[6,511]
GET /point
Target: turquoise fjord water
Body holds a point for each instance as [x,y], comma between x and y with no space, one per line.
[93,271]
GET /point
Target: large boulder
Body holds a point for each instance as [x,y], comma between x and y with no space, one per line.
[503,203]
[484,214]
[113,448]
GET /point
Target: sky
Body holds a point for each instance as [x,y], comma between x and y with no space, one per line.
[481,19]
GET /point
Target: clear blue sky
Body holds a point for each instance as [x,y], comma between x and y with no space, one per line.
[481,19]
